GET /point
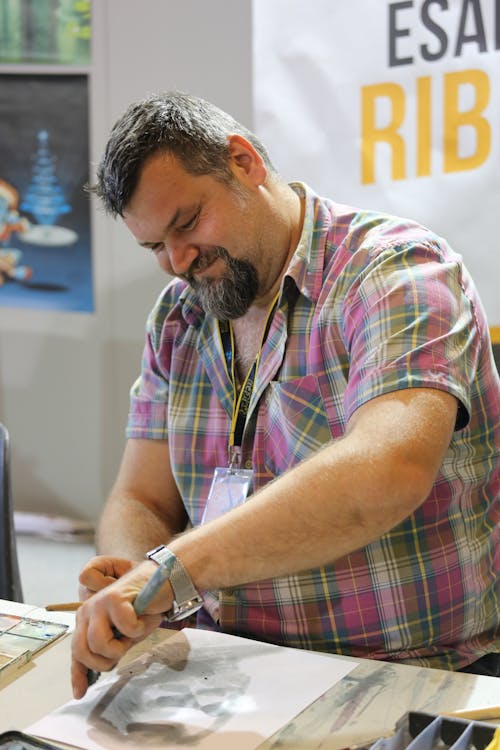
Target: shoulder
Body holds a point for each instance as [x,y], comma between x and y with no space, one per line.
[363,241]
[358,228]
[364,231]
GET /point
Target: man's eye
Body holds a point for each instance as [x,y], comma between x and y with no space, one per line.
[189,224]
[156,247]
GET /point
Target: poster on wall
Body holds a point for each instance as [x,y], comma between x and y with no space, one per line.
[45,250]
[45,31]
[392,106]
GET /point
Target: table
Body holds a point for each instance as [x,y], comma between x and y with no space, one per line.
[364,705]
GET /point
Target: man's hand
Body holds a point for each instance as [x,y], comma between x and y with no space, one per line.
[100,572]
[106,623]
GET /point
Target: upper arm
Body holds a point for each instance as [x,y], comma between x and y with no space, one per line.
[145,475]
[410,430]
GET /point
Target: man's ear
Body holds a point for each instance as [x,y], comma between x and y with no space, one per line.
[245,160]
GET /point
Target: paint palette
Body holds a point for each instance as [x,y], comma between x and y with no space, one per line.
[21,637]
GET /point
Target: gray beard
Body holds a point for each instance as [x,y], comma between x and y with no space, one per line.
[229,297]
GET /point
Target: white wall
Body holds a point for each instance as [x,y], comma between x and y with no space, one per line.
[64,377]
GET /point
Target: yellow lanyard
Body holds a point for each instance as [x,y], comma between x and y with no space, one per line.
[242,402]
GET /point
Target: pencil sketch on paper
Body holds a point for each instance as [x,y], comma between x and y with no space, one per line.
[165,693]
[195,689]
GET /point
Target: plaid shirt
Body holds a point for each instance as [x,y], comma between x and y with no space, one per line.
[369,304]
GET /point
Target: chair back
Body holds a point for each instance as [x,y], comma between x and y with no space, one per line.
[10,579]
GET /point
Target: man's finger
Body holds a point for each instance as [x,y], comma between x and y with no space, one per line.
[79,679]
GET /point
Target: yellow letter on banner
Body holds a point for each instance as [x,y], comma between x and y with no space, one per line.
[454,120]
[371,135]
[424,144]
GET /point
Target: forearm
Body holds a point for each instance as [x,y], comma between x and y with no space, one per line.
[340,500]
[303,520]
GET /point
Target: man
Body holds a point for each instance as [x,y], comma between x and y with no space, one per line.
[318,399]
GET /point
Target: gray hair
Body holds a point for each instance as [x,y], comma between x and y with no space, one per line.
[191,129]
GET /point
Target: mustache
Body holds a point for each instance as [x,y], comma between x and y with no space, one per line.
[203,261]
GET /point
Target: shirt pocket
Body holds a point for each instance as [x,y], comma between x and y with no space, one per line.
[295,422]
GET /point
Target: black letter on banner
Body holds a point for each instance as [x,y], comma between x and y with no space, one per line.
[497,24]
[479,36]
[433,27]
[395,32]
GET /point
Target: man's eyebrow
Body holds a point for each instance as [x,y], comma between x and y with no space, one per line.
[168,227]
[175,218]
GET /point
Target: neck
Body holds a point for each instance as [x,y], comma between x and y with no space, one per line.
[290,214]
[248,334]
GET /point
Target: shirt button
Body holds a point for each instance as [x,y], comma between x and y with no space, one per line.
[248,464]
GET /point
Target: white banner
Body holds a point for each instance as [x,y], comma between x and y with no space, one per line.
[392,106]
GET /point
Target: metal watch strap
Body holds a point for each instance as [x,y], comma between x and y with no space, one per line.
[187,599]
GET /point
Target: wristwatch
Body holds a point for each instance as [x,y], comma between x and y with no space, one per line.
[187,600]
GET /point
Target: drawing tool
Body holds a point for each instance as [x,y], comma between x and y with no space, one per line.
[142,601]
[63,607]
[481,713]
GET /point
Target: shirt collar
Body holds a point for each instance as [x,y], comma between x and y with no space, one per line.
[307,262]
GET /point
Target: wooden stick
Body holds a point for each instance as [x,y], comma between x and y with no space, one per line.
[63,607]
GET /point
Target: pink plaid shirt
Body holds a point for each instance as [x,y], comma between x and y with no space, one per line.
[369,304]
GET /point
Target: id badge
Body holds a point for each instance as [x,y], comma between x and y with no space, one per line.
[229,489]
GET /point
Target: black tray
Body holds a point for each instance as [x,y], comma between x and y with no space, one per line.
[14,740]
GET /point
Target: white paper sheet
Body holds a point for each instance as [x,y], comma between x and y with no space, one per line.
[198,689]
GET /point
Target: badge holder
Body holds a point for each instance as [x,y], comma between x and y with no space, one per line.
[230,487]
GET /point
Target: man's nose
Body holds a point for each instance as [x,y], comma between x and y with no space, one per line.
[181,255]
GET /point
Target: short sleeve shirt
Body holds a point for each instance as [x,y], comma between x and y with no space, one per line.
[369,304]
